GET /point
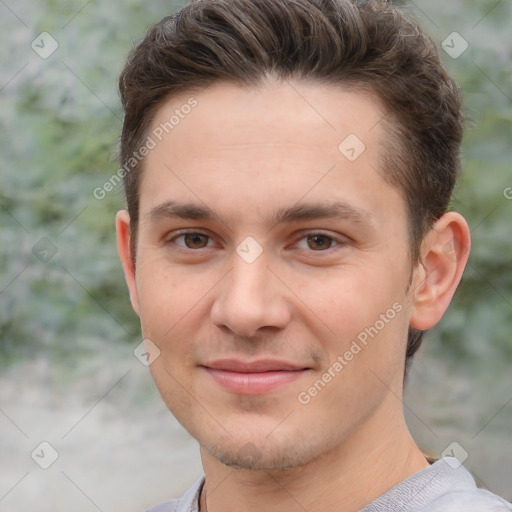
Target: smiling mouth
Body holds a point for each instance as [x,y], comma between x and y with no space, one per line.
[254,378]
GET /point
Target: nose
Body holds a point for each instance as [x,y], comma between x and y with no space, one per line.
[250,298]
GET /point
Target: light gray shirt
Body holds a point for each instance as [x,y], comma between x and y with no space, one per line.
[445,486]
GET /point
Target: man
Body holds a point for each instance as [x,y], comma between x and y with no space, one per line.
[288,169]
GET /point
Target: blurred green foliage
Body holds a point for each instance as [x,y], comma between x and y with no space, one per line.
[59,128]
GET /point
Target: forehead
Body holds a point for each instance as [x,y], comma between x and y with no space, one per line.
[250,147]
[272,111]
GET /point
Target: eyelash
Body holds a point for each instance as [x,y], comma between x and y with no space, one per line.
[334,241]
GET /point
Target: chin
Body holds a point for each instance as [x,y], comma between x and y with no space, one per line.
[264,455]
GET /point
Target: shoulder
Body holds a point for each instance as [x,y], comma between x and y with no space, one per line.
[445,486]
[477,500]
[189,502]
[457,491]
[166,506]
[460,493]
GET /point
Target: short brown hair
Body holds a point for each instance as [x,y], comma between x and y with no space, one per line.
[369,46]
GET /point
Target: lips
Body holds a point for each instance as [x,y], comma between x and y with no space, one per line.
[264,365]
[253,377]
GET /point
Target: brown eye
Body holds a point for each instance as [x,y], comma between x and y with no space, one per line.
[195,240]
[319,242]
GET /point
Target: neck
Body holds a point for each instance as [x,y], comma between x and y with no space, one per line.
[380,455]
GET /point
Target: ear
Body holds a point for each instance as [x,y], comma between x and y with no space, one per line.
[444,254]
[125,253]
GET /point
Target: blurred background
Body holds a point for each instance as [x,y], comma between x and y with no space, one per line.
[68,374]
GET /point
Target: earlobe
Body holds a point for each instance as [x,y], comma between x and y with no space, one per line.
[444,254]
[125,253]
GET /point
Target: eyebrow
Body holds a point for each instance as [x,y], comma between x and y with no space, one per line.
[298,212]
[188,211]
[335,210]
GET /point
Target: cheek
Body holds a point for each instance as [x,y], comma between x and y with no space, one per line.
[365,361]
[352,299]
[170,308]
[361,316]
[168,296]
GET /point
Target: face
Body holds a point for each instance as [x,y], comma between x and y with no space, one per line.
[272,270]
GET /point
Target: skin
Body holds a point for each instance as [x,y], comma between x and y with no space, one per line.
[246,153]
